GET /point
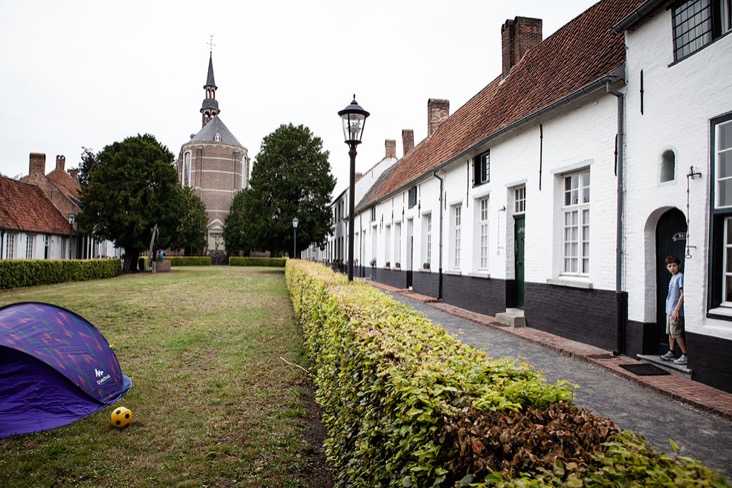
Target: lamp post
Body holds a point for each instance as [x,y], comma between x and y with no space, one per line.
[72,217]
[354,120]
[294,229]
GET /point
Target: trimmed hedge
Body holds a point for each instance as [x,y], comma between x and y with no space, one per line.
[406,404]
[189,260]
[31,272]
[248,261]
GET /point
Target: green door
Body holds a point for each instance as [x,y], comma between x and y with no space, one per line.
[670,239]
[518,238]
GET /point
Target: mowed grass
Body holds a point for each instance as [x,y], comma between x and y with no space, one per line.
[213,403]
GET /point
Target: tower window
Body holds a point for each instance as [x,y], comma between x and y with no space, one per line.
[217,137]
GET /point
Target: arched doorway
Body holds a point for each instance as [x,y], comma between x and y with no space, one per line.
[670,239]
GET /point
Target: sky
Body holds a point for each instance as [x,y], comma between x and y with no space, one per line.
[77,74]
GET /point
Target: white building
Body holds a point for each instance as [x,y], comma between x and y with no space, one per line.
[555,193]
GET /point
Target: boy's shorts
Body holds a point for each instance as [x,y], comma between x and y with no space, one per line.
[674,328]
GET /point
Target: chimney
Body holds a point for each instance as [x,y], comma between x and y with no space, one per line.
[518,36]
[60,163]
[357,176]
[390,145]
[37,164]
[74,173]
[437,112]
[407,140]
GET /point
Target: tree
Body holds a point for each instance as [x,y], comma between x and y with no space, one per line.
[234,228]
[290,178]
[88,161]
[132,187]
[191,232]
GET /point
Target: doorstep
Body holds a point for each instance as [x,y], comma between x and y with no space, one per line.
[669,366]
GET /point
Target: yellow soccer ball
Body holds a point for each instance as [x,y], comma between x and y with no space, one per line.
[121,417]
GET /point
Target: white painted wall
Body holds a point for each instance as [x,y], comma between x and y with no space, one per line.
[679,101]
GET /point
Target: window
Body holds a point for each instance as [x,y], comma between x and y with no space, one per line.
[217,137]
[519,199]
[721,228]
[482,166]
[412,196]
[373,214]
[397,244]
[456,224]
[483,226]
[187,169]
[696,23]
[668,166]
[10,246]
[244,172]
[387,246]
[576,217]
[428,240]
[29,246]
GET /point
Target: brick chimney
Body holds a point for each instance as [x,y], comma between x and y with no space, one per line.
[390,146]
[37,164]
[407,140]
[61,163]
[357,176]
[518,36]
[437,112]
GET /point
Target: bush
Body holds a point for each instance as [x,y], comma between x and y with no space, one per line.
[189,260]
[31,272]
[249,261]
[406,404]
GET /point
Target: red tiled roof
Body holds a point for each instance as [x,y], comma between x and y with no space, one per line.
[24,207]
[66,183]
[580,53]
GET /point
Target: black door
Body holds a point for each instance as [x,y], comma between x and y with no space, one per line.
[670,239]
[519,229]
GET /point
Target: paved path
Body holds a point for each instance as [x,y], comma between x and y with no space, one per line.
[652,406]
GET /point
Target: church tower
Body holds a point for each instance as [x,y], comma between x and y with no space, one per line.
[214,164]
[210,107]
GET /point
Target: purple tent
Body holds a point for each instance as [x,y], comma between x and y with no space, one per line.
[55,368]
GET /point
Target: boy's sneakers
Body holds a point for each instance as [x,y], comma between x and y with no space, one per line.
[669,356]
[681,360]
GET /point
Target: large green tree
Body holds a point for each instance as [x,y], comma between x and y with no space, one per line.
[191,232]
[290,178]
[131,187]
[234,228]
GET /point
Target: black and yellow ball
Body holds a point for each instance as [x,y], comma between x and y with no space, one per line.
[121,417]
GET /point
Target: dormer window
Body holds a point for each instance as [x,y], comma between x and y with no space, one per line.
[482,166]
[217,137]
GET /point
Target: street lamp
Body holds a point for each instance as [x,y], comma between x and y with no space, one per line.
[354,120]
[72,217]
[294,229]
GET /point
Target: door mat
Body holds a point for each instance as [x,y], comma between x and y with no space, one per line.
[644,369]
[600,356]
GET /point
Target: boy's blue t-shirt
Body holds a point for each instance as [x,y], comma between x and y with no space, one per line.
[674,293]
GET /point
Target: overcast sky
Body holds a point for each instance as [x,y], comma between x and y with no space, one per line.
[90,73]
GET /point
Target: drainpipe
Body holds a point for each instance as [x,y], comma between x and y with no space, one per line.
[439,285]
[621,297]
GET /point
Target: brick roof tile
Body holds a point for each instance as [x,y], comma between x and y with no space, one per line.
[24,207]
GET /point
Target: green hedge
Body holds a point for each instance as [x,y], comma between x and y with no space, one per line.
[189,260]
[31,272]
[406,404]
[247,261]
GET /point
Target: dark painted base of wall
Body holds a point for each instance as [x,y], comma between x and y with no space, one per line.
[582,315]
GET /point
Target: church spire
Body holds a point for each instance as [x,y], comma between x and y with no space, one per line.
[210,107]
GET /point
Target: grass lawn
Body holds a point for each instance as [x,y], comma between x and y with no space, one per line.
[213,403]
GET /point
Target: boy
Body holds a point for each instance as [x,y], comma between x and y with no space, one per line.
[675,311]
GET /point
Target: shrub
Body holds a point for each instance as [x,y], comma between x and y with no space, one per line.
[31,272]
[406,404]
[189,260]
[249,261]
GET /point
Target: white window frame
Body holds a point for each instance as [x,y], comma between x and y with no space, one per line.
[727,266]
[29,241]
[397,244]
[387,245]
[482,209]
[10,245]
[726,180]
[519,200]
[428,258]
[576,223]
[456,224]
[186,169]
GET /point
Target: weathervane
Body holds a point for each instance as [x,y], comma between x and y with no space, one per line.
[211,44]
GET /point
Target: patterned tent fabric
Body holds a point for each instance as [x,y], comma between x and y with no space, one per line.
[55,368]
